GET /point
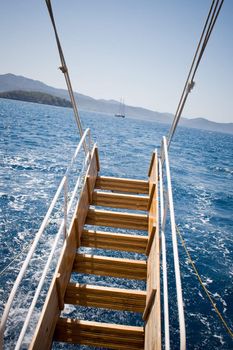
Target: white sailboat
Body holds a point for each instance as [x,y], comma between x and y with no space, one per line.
[121,113]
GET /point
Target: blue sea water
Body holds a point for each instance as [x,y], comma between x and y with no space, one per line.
[37,143]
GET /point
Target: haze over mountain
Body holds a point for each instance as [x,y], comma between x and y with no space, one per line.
[10,82]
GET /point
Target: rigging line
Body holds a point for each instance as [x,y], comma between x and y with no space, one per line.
[64,70]
[210,29]
[202,284]
[16,257]
[210,22]
[215,18]
[190,83]
[194,59]
[185,90]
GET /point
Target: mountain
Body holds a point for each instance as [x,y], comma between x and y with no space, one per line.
[9,82]
[205,124]
[37,97]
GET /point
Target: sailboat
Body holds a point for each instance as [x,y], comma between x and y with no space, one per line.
[121,113]
[140,205]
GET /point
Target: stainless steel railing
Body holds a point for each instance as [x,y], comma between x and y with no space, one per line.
[63,187]
[166,202]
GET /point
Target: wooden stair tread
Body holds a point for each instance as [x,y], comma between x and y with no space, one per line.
[106,266]
[117,219]
[120,200]
[122,184]
[105,297]
[114,241]
[111,336]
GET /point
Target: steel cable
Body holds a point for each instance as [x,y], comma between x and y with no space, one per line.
[189,84]
[64,70]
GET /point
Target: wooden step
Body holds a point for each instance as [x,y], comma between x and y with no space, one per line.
[111,336]
[105,297]
[117,219]
[105,266]
[122,185]
[119,200]
[114,241]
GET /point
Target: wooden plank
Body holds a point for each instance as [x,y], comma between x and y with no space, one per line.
[114,241]
[105,266]
[54,300]
[94,168]
[117,219]
[89,189]
[59,292]
[151,197]
[86,195]
[105,297]
[151,239]
[81,212]
[153,191]
[122,185]
[97,157]
[151,163]
[111,336]
[149,305]
[117,200]
[153,322]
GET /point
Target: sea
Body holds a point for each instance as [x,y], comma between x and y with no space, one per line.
[36,145]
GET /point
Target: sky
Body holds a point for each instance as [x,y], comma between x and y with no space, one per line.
[137,49]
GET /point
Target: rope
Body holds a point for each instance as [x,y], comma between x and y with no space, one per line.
[64,70]
[202,284]
[15,258]
[189,84]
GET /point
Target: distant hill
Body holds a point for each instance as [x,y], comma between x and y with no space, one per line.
[205,124]
[9,82]
[37,97]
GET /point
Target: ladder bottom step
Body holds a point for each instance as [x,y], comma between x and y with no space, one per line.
[111,336]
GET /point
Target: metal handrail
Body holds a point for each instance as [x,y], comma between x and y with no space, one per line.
[164,259]
[168,203]
[67,208]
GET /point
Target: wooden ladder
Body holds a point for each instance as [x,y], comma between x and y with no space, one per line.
[121,194]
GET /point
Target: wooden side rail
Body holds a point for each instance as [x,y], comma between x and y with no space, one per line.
[152,311]
[55,298]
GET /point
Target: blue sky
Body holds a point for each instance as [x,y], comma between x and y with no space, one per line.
[138,49]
